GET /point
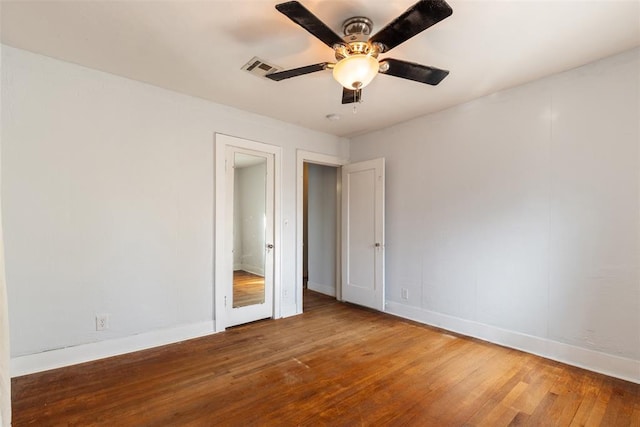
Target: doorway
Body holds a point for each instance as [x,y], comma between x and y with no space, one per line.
[321,213]
[332,163]
[360,231]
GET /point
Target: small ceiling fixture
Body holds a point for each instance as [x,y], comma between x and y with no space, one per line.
[356,53]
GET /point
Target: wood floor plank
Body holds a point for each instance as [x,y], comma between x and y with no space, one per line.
[543,378]
[498,410]
[337,364]
[635,416]
[589,394]
[620,407]
[600,406]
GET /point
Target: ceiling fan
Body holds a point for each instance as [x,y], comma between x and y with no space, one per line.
[356,54]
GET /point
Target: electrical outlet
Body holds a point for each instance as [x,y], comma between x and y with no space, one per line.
[404,293]
[102,322]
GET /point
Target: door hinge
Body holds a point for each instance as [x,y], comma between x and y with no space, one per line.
[225,300]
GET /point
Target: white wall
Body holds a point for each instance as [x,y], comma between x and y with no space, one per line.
[108,204]
[322,223]
[515,217]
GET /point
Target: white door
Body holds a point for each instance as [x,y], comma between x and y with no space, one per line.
[250,241]
[363,233]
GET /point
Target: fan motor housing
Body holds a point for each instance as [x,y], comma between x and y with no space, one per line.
[357,26]
[356,36]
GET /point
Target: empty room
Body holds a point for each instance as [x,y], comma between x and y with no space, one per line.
[343,212]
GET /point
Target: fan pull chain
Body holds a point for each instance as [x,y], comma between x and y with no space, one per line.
[355,101]
[355,98]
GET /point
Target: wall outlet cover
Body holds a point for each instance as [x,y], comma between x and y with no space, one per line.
[102,322]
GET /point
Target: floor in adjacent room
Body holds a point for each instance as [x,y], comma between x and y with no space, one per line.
[336,364]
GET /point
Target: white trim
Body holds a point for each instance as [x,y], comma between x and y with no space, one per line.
[52,359]
[221,275]
[323,289]
[303,156]
[608,364]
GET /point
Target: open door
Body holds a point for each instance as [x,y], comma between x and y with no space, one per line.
[363,233]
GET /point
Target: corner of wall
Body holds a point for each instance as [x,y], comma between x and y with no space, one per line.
[323,289]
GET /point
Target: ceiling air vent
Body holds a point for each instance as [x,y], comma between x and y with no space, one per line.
[260,67]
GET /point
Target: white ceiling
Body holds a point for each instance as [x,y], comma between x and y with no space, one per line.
[198,47]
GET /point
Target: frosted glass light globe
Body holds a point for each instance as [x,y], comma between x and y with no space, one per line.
[356,71]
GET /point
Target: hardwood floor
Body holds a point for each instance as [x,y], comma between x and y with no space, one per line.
[248,288]
[336,364]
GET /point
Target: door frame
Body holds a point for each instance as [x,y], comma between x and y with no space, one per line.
[302,157]
[222,256]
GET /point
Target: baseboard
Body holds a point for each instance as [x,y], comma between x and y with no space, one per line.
[258,271]
[608,364]
[323,289]
[52,359]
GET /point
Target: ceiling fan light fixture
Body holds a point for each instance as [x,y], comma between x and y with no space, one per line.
[356,71]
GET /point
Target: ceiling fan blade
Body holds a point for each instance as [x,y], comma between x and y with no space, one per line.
[414,20]
[350,96]
[286,74]
[307,20]
[412,71]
